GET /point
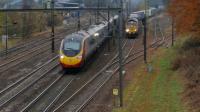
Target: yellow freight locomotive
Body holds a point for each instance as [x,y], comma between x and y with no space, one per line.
[132,28]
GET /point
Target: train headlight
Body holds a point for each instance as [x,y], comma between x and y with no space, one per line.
[79,57]
[96,34]
[61,57]
[127,30]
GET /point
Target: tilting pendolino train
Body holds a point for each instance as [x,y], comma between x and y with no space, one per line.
[78,47]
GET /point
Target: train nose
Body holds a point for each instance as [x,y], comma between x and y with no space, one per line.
[71,62]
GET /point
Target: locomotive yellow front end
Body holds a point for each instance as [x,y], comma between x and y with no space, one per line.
[132,28]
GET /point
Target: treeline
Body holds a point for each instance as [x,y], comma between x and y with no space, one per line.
[186,15]
[25,24]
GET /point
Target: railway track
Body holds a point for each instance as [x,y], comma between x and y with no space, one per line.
[127,60]
[22,58]
[159,36]
[103,79]
[29,54]
[88,90]
[46,91]
[130,57]
[48,107]
[61,84]
[32,70]
[9,87]
[77,100]
[26,46]
[7,95]
[11,92]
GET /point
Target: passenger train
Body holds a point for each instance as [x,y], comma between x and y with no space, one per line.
[78,47]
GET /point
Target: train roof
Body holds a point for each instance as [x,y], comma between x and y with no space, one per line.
[142,11]
[133,19]
[95,28]
[83,34]
[74,36]
[90,31]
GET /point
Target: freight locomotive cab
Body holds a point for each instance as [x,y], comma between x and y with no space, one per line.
[132,27]
[71,54]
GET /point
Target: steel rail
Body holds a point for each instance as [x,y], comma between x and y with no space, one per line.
[58,37]
[40,95]
[45,91]
[27,76]
[50,106]
[36,42]
[127,61]
[20,46]
[27,53]
[56,99]
[116,68]
[82,87]
[21,60]
[26,87]
[105,81]
[89,81]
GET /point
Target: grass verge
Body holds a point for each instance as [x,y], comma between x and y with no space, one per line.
[155,91]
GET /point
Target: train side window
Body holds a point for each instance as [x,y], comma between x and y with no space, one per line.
[92,41]
[115,22]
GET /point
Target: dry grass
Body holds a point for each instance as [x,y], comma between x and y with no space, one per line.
[155,91]
[188,62]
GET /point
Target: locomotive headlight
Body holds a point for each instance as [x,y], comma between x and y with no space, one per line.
[127,30]
[96,34]
[135,30]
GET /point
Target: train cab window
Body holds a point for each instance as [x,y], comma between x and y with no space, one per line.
[72,47]
[132,23]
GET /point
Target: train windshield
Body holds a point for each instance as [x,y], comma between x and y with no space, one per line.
[72,47]
[131,23]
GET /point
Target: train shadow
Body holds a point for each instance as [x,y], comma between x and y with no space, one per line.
[71,71]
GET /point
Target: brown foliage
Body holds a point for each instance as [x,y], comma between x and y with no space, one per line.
[186,14]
